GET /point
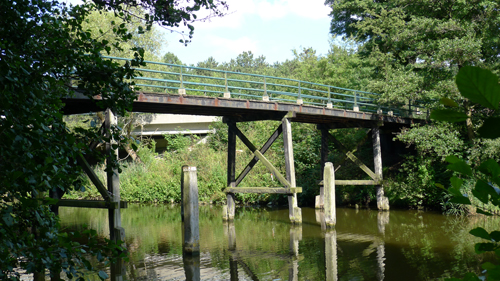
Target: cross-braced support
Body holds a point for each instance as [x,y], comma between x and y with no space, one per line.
[376,177]
[288,182]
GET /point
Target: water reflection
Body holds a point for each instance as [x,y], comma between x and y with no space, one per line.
[262,245]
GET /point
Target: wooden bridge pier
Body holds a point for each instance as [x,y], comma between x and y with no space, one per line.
[287,181]
[376,177]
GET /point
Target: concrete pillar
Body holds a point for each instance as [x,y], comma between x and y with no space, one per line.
[189,183]
[382,201]
[295,213]
[331,255]
[329,206]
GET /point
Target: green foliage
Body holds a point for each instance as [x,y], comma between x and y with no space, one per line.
[481,86]
[47,52]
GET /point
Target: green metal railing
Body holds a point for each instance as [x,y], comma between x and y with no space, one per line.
[166,77]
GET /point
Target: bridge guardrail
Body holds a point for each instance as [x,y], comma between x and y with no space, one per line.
[162,77]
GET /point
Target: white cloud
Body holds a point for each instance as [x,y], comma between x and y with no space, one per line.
[234,46]
[266,10]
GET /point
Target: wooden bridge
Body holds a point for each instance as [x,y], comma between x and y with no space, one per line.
[242,97]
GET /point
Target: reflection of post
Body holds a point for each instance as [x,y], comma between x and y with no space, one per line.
[191,213]
[231,239]
[191,267]
[329,201]
[380,260]
[295,237]
[331,255]
[382,220]
[117,233]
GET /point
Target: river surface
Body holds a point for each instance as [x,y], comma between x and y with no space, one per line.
[262,245]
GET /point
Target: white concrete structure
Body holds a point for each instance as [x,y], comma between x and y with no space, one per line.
[162,124]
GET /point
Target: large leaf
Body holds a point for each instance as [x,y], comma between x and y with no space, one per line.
[481,233]
[448,102]
[479,86]
[448,115]
[460,167]
[490,167]
[490,128]
[460,200]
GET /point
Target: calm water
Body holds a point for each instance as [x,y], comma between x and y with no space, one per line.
[262,245]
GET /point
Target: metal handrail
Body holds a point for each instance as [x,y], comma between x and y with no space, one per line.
[160,76]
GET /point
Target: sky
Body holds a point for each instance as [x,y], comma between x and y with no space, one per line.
[272,28]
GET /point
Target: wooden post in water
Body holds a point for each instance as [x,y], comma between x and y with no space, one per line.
[117,233]
[382,201]
[295,213]
[229,209]
[329,206]
[189,180]
[320,200]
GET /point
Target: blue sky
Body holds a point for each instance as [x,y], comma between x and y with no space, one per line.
[266,27]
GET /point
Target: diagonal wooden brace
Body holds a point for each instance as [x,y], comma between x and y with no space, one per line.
[93,177]
[354,159]
[263,150]
[261,157]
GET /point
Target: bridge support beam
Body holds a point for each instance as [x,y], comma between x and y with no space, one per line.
[295,213]
[382,201]
[229,209]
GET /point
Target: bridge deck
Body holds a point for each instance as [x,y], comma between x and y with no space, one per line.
[242,110]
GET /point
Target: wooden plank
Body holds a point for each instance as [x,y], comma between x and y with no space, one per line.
[93,177]
[99,204]
[273,169]
[362,166]
[354,158]
[244,139]
[329,200]
[354,182]
[263,150]
[294,212]
[264,190]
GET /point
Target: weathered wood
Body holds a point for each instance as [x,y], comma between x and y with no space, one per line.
[191,245]
[245,140]
[117,268]
[231,171]
[324,159]
[273,169]
[98,204]
[263,190]
[382,201]
[93,177]
[263,150]
[293,210]
[358,146]
[329,203]
[353,158]
[354,182]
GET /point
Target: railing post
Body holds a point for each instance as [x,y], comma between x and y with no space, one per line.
[227,94]
[299,99]
[182,90]
[266,96]
[329,104]
[356,107]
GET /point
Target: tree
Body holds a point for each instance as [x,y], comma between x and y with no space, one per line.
[45,54]
[479,86]
[417,47]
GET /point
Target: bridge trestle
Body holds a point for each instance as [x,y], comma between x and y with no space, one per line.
[376,176]
[288,181]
